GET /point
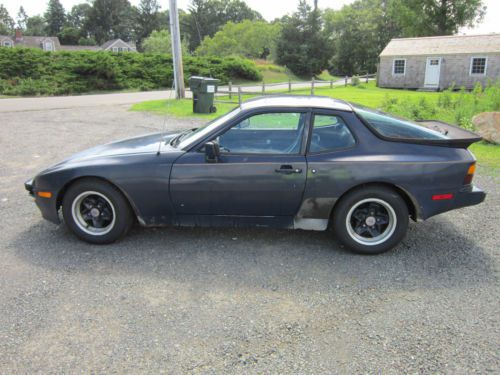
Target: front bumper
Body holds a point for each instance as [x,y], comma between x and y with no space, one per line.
[47,206]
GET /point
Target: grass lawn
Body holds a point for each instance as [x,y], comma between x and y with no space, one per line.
[367,94]
[488,157]
[178,108]
[272,73]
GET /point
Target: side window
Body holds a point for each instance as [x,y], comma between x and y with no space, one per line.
[399,67]
[268,133]
[330,133]
[478,65]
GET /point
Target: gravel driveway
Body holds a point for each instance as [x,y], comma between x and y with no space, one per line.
[232,301]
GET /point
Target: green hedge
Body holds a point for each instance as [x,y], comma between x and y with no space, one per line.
[27,71]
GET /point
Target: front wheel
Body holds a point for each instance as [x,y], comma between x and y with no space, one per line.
[371,220]
[96,211]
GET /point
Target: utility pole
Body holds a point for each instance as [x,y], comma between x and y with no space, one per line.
[176,50]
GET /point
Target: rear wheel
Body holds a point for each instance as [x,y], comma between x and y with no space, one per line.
[96,211]
[371,220]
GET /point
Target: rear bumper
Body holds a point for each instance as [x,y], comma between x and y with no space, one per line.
[471,198]
[467,196]
[47,206]
[28,185]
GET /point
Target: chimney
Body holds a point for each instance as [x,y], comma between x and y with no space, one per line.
[19,35]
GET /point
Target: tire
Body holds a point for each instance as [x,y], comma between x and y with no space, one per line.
[371,220]
[96,211]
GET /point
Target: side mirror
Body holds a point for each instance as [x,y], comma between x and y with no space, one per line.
[212,152]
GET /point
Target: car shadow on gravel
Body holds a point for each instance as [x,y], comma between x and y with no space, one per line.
[434,254]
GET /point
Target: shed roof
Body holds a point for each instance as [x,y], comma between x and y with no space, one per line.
[109,43]
[36,41]
[443,45]
[80,48]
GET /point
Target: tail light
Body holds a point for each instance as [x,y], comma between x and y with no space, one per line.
[470,174]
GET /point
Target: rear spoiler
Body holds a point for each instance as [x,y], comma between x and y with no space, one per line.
[458,137]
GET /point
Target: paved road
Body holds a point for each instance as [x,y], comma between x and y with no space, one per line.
[81,101]
[232,301]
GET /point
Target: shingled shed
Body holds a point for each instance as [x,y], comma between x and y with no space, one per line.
[436,63]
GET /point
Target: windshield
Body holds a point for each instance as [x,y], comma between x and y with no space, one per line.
[192,136]
[393,127]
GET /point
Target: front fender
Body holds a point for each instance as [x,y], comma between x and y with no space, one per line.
[143,179]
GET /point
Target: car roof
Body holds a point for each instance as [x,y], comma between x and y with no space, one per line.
[293,101]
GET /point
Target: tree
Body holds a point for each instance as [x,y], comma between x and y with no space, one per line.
[110,19]
[87,42]
[207,16]
[303,45]
[147,19]
[36,26]
[22,18]
[441,17]
[78,16]
[55,17]
[358,33]
[158,42]
[69,35]
[6,21]
[252,39]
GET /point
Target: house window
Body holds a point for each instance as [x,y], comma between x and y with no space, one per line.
[7,43]
[115,49]
[478,65]
[49,46]
[399,66]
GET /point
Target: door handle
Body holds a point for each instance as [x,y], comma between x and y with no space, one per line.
[288,169]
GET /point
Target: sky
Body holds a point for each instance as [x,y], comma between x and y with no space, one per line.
[270,9]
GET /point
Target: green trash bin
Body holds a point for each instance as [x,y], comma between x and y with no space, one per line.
[203,89]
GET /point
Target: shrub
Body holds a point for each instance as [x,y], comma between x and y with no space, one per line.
[458,108]
[355,81]
[26,71]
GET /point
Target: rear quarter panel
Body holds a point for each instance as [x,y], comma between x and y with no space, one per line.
[419,170]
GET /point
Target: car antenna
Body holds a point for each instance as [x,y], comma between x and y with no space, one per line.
[164,127]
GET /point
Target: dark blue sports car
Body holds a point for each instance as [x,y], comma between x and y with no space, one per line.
[289,162]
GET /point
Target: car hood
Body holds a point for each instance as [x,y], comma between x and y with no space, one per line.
[146,144]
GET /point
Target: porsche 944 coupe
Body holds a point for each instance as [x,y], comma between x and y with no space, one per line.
[289,162]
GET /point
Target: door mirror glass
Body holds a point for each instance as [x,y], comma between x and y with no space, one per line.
[212,152]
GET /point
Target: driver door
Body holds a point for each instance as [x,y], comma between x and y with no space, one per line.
[261,170]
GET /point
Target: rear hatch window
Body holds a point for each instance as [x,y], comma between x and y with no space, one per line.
[392,127]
